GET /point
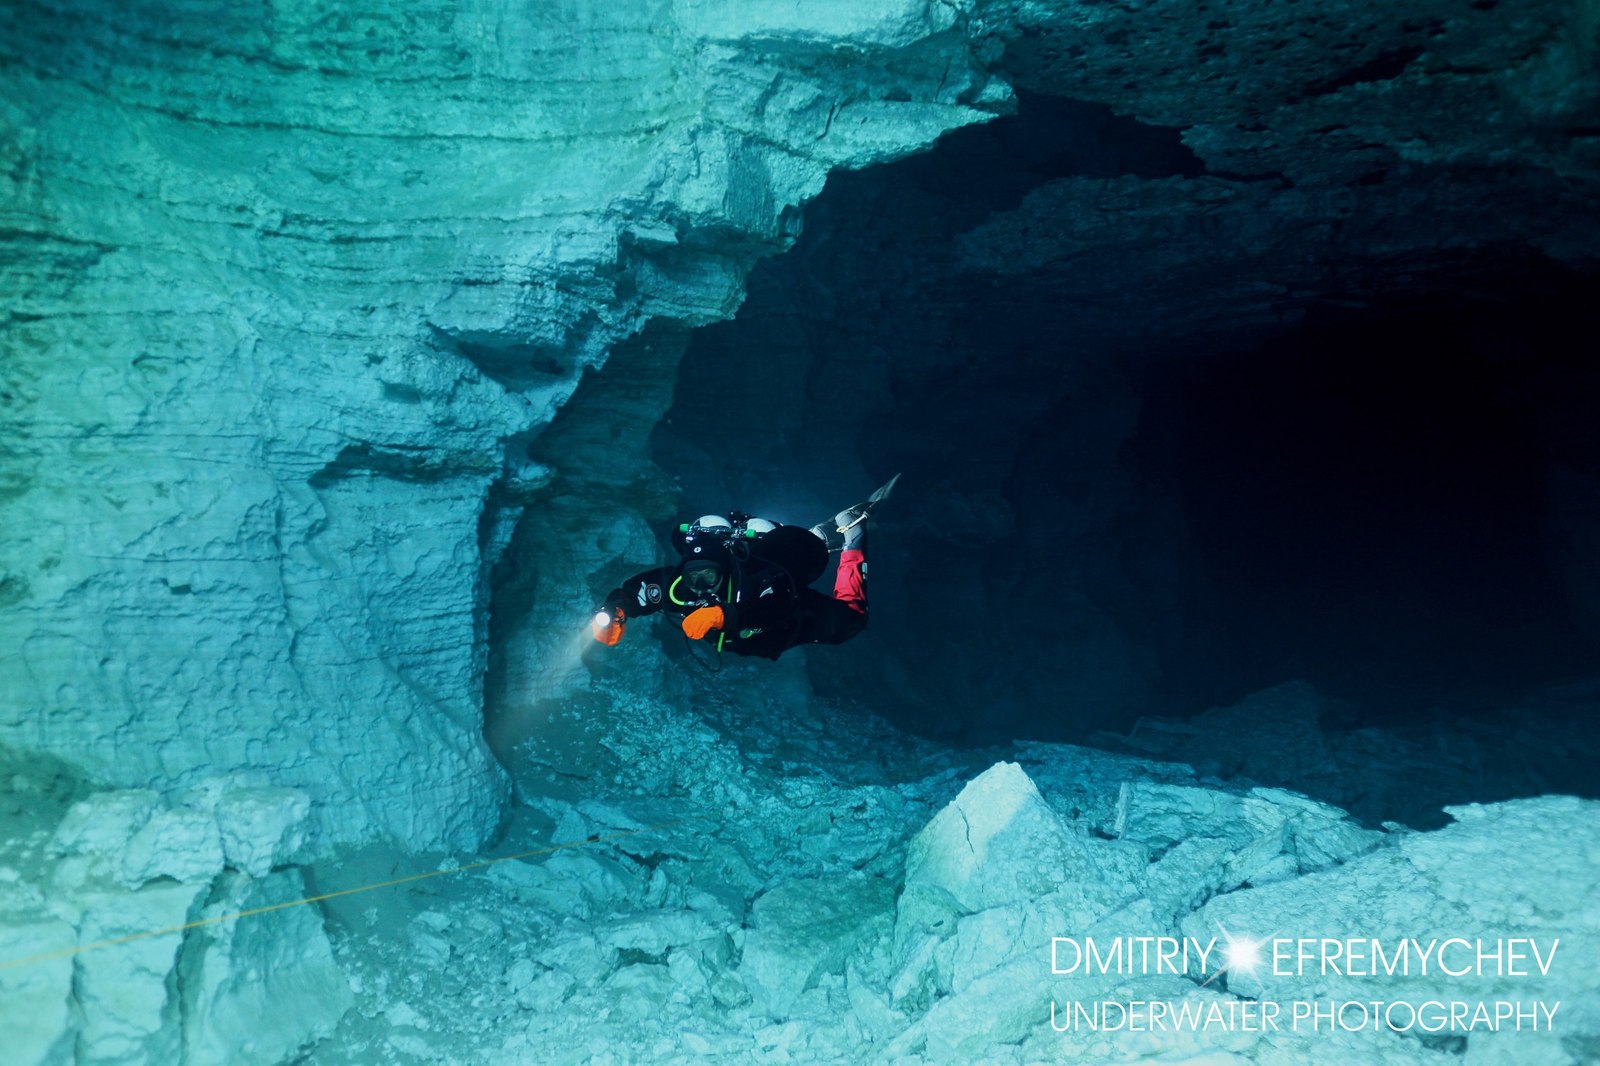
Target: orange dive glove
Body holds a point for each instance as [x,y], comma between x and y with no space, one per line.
[703,621]
[607,625]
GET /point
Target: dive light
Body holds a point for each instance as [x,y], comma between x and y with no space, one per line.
[607,624]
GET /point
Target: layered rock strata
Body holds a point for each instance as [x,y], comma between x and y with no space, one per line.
[288,294]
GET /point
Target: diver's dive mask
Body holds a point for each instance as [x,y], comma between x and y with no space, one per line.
[701,578]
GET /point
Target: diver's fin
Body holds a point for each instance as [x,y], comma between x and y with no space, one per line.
[847,520]
[883,493]
[851,517]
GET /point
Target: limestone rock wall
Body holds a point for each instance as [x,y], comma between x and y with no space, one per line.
[1351,148]
[289,290]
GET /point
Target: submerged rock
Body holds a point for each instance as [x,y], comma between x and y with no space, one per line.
[809,927]
[999,843]
[256,990]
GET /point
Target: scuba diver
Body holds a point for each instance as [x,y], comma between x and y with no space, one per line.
[744,583]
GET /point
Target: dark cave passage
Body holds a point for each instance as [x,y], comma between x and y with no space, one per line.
[1098,524]
[1371,504]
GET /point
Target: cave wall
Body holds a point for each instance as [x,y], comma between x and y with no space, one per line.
[1349,152]
[289,291]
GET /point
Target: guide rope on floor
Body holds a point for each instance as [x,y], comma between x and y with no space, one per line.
[252,912]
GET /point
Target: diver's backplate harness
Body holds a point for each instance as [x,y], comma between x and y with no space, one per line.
[723,543]
[733,535]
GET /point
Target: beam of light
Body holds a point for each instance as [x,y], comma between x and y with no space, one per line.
[557,661]
[570,656]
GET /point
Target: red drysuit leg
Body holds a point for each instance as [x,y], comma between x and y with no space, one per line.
[850,583]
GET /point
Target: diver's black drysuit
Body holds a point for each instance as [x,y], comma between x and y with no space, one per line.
[763,588]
